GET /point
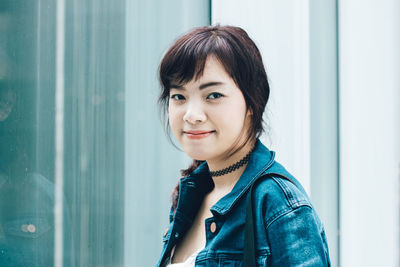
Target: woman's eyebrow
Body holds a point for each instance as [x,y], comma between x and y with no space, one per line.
[202,86]
[205,85]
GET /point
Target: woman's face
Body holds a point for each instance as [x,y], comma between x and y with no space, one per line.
[208,116]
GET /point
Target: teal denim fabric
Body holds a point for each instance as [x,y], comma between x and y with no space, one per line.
[288,230]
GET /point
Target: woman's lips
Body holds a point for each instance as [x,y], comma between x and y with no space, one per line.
[197,134]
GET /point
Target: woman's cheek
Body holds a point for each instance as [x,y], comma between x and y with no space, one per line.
[174,121]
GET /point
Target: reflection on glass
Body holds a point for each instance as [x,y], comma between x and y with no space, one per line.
[94,133]
[26,196]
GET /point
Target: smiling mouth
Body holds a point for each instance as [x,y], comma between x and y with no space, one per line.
[197,134]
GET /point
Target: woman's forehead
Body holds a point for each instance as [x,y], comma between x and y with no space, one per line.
[212,70]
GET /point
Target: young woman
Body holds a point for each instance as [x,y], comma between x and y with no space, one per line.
[215,89]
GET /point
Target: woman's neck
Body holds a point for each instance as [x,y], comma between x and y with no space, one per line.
[228,180]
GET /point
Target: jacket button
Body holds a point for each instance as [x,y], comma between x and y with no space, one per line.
[31,228]
[166,232]
[176,235]
[213,227]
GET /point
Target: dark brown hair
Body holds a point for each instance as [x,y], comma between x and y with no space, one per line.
[186,58]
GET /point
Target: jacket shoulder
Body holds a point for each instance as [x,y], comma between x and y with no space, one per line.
[277,194]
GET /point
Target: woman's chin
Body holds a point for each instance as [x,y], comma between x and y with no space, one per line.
[197,155]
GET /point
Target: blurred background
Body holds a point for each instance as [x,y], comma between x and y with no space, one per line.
[86,170]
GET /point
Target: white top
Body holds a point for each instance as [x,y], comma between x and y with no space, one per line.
[189,262]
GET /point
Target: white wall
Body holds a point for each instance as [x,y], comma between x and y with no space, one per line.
[364,201]
[369,132]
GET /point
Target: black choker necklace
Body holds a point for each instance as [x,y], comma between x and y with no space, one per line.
[233,167]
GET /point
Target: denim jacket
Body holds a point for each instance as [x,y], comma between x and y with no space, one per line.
[287,228]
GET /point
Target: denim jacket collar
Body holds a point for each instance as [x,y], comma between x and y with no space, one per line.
[260,160]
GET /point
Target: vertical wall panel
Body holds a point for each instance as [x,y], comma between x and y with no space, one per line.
[369,132]
[324,119]
[94,129]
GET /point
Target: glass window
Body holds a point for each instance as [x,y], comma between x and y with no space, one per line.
[116,159]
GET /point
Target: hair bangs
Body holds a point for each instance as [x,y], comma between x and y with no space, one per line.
[186,61]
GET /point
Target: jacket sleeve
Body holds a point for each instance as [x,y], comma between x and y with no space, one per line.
[295,240]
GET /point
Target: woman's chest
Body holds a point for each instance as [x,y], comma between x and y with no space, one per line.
[195,238]
[219,239]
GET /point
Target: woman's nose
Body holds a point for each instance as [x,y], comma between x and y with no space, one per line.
[194,114]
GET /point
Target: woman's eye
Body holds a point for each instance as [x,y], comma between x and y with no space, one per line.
[177,97]
[214,95]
